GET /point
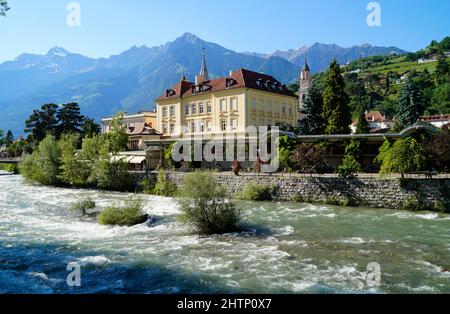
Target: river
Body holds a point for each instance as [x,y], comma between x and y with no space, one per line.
[288,248]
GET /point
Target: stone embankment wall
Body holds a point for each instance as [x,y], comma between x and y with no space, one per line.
[370,192]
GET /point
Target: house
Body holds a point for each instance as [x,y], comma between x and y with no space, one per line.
[226,105]
[378,123]
[147,117]
[438,121]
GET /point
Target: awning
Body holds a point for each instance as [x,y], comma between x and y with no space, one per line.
[136,160]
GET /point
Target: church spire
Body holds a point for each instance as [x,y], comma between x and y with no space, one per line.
[305,66]
[204,69]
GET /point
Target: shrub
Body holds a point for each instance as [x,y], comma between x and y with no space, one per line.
[114,175]
[83,205]
[236,167]
[256,192]
[10,168]
[163,186]
[147,186]
[204,203]
[129,215]
[309,158]
[349,167]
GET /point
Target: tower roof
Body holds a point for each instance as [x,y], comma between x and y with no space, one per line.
[306,67]
[204,69]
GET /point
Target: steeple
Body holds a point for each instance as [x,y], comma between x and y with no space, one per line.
[306,67]
[305,84]
[204,69]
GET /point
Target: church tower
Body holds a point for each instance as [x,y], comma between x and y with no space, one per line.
[203,76]
[305,85]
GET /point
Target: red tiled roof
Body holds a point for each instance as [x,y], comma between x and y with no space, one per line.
[442,117]
[141,129]
[238,79]
[375,116]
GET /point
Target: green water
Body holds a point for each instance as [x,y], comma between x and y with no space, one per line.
[288,248]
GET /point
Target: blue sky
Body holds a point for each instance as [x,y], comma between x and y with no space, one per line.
[111,26]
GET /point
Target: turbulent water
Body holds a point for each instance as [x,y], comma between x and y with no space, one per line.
[289,248]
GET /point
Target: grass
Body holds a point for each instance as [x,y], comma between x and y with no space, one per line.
[129,215]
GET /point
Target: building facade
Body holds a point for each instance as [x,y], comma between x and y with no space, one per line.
[226,105]
[147,117]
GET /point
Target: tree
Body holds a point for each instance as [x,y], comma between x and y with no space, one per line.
[90,128]
[204,203]
[70,119]
[352,160]
[118,137]
[313,123]
[336,111]
[410,106]
[439,150]
[9,139]
[404,156]
[442,71]
[309,158]
[42,122]
[2,139]
[3,7]
[363,126]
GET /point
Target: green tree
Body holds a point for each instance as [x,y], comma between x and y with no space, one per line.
[118,137]
[403,156]
[3,7]
[351,163]
[363,126]
[43,165]
[442,71]
[89,128]
[73,171]
[69,118]
[313,123]
[2,139]
[336,111]
[42,122]
[204,203]
[410,106]
[9,139]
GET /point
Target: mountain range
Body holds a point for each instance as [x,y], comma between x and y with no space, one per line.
[132,80]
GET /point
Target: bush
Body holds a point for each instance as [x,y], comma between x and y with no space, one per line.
[309,158]
[83,205]
[129,215]
[114,176]
[204,203]
[256,192]
[10,168]
[147,186]
[349,167]
[164,187]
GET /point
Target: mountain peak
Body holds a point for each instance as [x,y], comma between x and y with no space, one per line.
[189,37]
[58,51]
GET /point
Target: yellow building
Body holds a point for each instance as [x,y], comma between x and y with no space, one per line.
[226,105]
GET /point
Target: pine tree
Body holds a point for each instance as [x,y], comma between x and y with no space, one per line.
[313,124]
[9,139]
[362,126]
[42,122]
[410,106]
[70,119]
[90,128]
[336,112]
[442,71]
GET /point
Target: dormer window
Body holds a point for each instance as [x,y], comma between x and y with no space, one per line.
[230,82]
[170,92]
[259,82]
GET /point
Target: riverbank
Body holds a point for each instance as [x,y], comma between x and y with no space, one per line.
[408,194]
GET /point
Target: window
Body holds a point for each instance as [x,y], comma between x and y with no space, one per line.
[209,126]
[164,112]
[164,129]
[202,126]
[172,111]
[209,107]
[186,110]
[284,108]
[223,125]
[194,109]
[186,129]
[201,108]
[193,127]
[234,106]
[233,124]
[253,104]
[290,110]
[223,105]
[172,129]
